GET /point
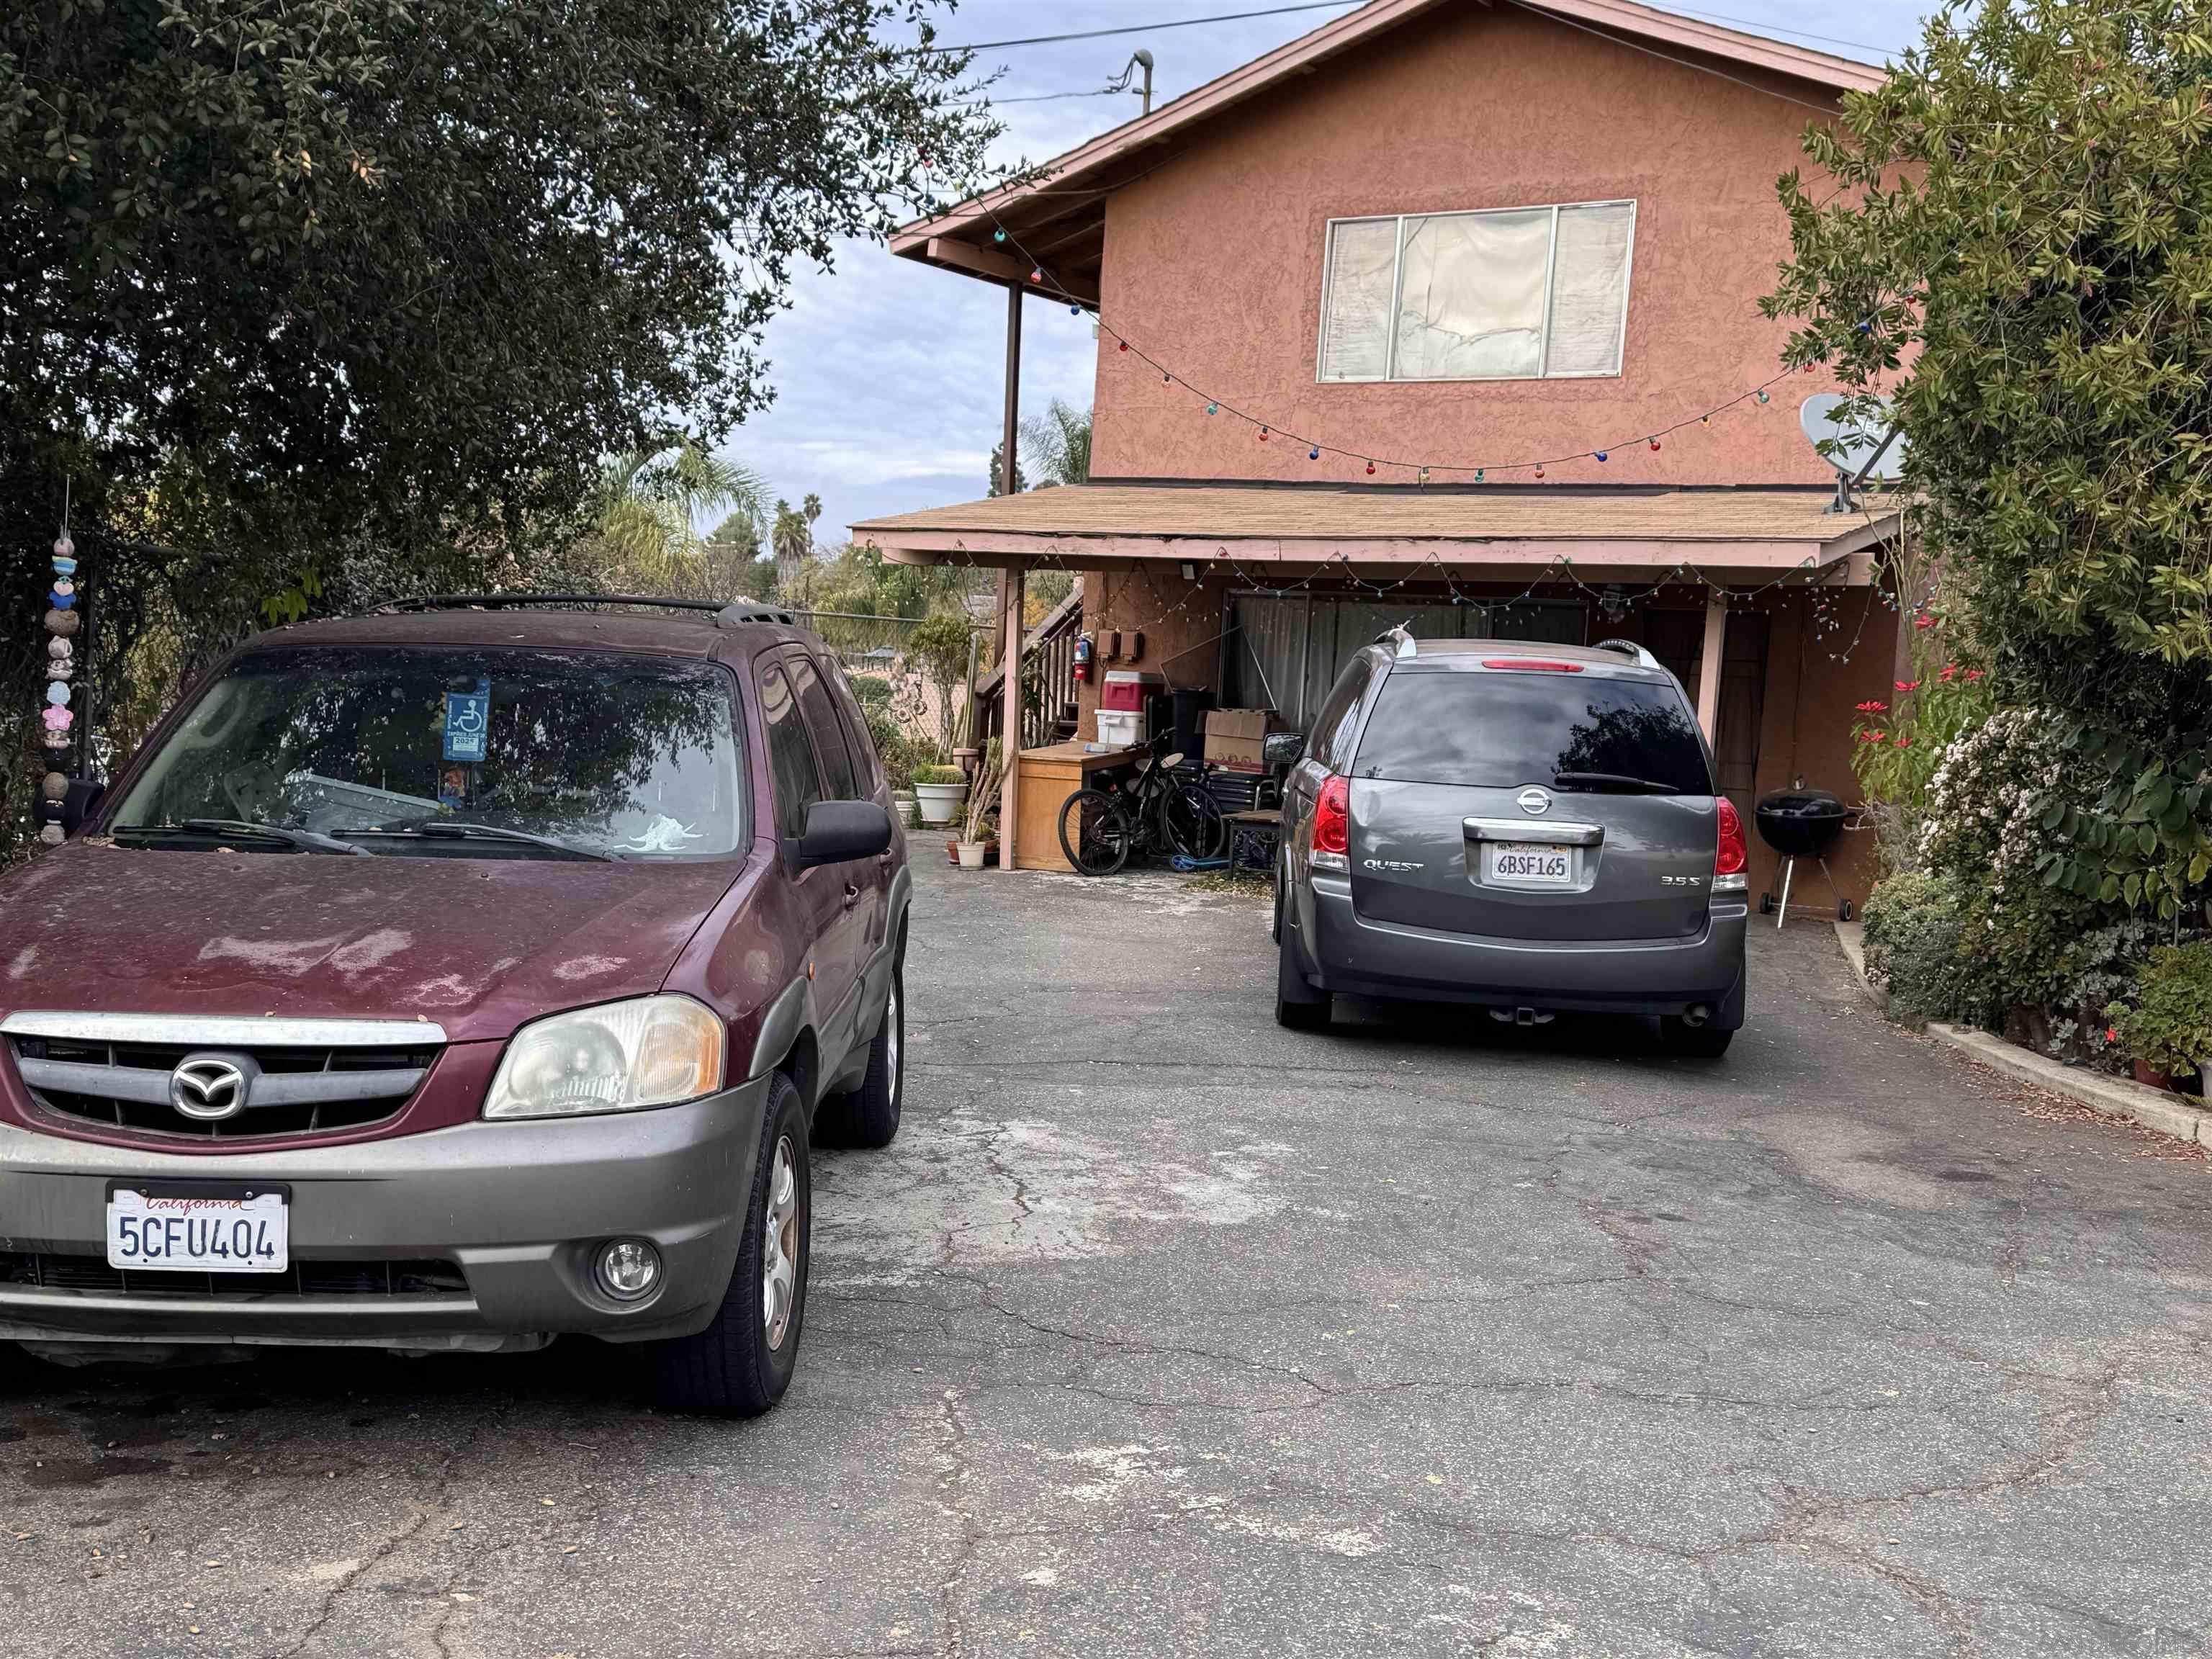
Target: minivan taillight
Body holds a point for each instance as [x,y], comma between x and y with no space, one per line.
[1730,857]
[1332,826]
[1534,665]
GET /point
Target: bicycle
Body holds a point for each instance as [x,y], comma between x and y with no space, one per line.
[1102,825]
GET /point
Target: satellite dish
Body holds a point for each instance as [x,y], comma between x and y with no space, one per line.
[1847,445]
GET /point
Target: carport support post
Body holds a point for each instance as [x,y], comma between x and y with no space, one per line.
[1708,665]
[1010,719]
[1010,590]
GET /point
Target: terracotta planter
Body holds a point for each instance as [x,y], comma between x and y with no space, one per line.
[2151,1077]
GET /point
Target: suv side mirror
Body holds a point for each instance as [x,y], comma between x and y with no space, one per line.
[1281,750]
[838,831]
[79,802]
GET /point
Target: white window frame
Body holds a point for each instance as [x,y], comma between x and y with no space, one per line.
[1390,375]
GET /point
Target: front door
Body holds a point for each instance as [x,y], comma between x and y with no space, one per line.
[795,778]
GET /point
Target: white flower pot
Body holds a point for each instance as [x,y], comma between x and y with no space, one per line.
[940,803]
[971,853]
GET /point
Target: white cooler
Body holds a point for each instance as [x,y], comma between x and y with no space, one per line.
[1121,726]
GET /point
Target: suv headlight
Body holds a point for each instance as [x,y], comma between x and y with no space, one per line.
[618,1057]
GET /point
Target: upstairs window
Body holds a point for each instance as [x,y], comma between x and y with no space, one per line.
[1520,294]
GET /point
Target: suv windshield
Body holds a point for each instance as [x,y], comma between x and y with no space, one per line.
[1503,730]
[550,754]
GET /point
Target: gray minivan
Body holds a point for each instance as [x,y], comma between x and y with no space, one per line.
[1533,829]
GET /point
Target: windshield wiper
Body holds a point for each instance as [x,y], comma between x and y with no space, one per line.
[461,830]
[306,840]
[1611,783]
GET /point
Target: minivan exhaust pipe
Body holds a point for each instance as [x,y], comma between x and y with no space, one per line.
[1520,1016]
[1696,1014]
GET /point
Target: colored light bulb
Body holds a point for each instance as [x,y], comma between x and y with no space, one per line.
[999,235]
[1655,443]
[1314,454]
[1762,394]
[1214,409]
[1600,453]
[1371,468]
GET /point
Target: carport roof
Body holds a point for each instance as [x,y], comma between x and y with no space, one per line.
[1726,533]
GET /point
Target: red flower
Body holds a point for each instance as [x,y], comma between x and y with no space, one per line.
[1975,673]
[2111,1034]
[1904,743]
[1923,620]
[1906,685]
[1869,737]
[1871,706]
[1950,672]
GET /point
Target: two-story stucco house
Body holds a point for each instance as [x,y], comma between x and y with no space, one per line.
[1446,314]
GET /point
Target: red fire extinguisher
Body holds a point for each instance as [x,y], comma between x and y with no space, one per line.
[1082,657]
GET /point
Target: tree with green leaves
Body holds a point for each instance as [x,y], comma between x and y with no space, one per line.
[2011,255]
[287,288]
[998,472]
[1056,445]
[648,507]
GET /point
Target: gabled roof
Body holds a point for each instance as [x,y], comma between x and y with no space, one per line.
[1058,213]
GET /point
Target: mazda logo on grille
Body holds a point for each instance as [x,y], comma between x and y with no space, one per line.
[212,1087]
[1534,800]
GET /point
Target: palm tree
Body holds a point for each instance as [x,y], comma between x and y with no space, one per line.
[650,502]
[1057,445]
[793,539]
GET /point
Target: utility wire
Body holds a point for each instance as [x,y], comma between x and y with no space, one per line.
[1133,28]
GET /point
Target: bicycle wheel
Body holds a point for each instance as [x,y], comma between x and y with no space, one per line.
[1094,832]
[1192,821]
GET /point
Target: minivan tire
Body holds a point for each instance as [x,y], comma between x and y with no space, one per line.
[1679,1037]
[1298,1007]
[868,1116]
[731,1369]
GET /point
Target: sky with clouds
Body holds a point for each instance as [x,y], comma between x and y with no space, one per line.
[887,373]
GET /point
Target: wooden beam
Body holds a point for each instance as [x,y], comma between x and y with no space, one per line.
[997,267]
[1010,722]
[1709,667]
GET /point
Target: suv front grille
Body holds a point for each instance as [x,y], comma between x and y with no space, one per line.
[302,1279]
[297,1077]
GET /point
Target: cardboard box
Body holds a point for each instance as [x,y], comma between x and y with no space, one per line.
[1234,736]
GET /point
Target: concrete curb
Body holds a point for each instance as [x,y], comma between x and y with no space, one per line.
[2115,1096]
[2155,1109]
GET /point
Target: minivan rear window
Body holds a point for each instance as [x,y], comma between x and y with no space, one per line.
[1506,729]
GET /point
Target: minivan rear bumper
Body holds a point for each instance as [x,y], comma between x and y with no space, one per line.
[1346,952]
[518,1207]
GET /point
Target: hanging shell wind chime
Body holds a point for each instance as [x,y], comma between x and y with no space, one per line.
[56,718]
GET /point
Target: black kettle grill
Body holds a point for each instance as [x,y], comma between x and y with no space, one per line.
[1801,823]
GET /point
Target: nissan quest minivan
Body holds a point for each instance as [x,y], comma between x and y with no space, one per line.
[454,977]
[1533,829]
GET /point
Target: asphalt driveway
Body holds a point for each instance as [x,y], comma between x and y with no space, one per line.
[1163,1331]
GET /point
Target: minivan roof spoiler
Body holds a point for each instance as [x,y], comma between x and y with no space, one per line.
[1401,641]
[1629,648]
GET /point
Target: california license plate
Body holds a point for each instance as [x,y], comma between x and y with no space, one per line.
[199,1228]
[1531,863]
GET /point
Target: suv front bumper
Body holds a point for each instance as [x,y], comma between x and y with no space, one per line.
[520,1207]
[1345,952]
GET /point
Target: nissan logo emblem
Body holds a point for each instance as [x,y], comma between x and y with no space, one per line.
[211,1087]
[1534,800]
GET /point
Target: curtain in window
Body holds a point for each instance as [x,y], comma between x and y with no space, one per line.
[1355,338]
[1471,295]
[1589,273]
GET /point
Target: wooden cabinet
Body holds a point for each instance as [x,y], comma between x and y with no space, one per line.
[1047,778]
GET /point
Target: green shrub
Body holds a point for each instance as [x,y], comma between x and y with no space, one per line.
[940,774]
[898,752]
[1913,922]
[2167,1024]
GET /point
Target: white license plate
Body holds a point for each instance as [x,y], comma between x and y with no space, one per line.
[241,1230]
[1528,861]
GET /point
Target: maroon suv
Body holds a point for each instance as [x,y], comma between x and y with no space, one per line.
[454,977]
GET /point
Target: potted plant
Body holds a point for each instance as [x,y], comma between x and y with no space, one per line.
[939,791]
[982,812]
[2165,1027]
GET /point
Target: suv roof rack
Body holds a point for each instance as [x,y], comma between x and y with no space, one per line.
[1399,642]
[1629,648]
[725,615]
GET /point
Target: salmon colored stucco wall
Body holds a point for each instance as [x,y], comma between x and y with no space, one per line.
[1213,264]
